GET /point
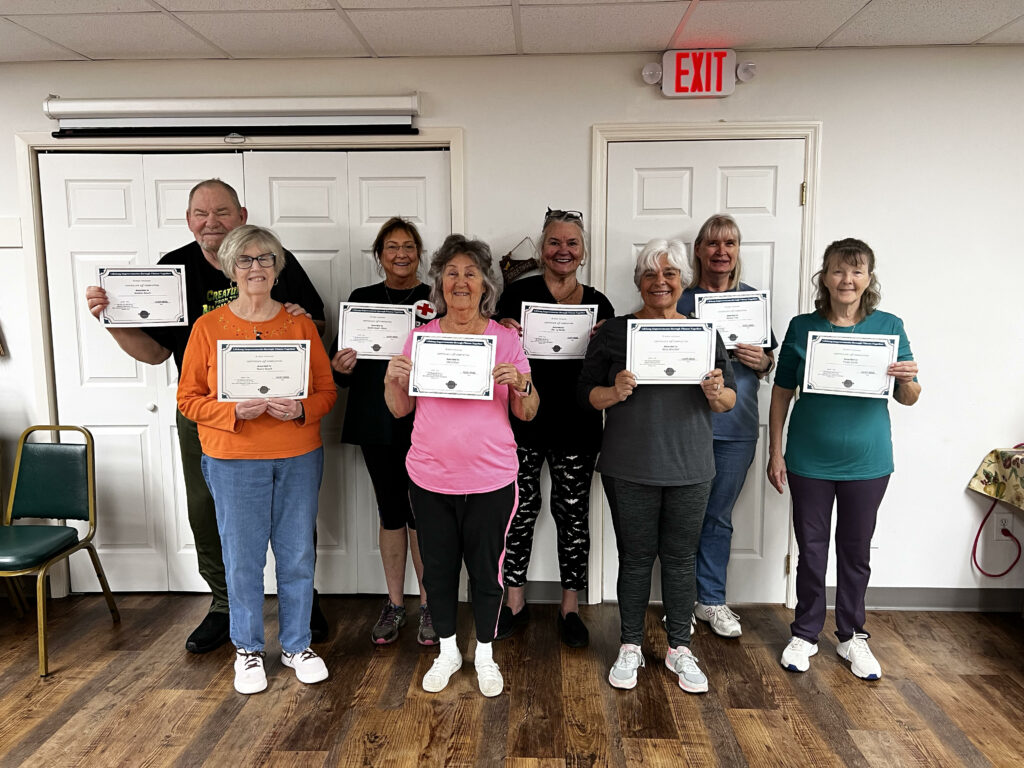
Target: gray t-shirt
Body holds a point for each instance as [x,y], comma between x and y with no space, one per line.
[661,434]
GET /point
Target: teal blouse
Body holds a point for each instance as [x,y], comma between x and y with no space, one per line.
[833,437]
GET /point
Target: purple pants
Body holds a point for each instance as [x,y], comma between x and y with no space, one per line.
[856,503]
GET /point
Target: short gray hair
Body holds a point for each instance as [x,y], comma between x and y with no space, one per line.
[480,253]
[650,254]
[240,238]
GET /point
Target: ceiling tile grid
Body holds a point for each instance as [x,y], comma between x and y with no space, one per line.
[19,44]
[445,32]
[279,34]
[926,22]
[604,28]
[765,24]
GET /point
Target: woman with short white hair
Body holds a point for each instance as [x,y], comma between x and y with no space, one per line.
[657,466]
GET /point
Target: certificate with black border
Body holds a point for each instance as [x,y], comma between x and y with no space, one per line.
[374,331]
[143,297]
[740,317]
[850,364]
[248,370]
[670,351]
[453,365]
[557,331]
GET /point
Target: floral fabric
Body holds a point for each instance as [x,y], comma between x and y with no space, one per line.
[1001,476]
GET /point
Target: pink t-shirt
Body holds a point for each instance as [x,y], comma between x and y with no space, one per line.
[466,446]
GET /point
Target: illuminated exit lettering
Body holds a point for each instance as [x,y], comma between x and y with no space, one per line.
[698,73]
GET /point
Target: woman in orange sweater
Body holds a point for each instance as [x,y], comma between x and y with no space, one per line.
[262,459]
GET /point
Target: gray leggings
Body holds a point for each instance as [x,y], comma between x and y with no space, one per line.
[656,521]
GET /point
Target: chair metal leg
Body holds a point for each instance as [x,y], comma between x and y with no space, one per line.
[103,582]
[41,605]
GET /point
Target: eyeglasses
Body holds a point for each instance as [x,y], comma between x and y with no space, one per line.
[265,260]
[393,248]
[557,215]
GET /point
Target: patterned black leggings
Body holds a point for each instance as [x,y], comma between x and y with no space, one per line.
[571,474]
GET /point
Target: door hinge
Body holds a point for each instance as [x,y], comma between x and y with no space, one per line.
[787,565]
[803,193]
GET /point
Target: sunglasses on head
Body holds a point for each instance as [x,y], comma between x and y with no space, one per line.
[557,215]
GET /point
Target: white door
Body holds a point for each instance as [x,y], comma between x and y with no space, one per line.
[95,214]
[668,189]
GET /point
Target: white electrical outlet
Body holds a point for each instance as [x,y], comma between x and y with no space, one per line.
[1000,521]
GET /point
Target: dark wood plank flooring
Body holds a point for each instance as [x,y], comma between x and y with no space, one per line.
[952,695]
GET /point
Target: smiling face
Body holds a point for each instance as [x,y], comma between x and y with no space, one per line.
[399,256]
[562,249]
[718,254]
[846,281]
[462,284]
[661,288]
[211,215]
[257,280]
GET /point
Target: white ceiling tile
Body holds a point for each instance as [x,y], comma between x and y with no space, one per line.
[130,36]
[754,24]
[245,5]
[926,22]
[278,34]
[445,32]
[1011,34]
[599,28]
[17,44]
[13,7]
[381,5]
[587,2]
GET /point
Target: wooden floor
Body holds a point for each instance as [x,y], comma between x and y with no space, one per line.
[952,695]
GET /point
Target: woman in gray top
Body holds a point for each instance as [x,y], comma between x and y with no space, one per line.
[656,465]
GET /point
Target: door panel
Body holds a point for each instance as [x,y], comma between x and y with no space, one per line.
[667,189]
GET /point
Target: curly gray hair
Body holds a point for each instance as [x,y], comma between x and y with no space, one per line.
[480,253]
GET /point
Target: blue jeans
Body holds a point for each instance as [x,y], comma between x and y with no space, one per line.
[732,460]
[260,501]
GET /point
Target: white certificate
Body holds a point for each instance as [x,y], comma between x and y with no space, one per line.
[374,331]
[852,364]
[247,370]
[670,351]
[741,317]
[556,331]
[455,365]
[143,296]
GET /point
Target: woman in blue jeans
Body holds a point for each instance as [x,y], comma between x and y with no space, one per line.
[716,268]
[262,459]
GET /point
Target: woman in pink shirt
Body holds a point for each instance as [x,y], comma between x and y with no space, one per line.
[462,463]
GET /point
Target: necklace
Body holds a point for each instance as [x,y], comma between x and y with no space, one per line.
[567,296]
[401,299]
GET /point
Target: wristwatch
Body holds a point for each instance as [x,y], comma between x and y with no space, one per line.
[524,392]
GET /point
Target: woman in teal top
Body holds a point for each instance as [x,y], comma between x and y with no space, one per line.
[838,451]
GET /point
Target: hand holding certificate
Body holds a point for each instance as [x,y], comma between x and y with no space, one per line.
[741,317]
[141,297]
[248,370]
[374,331]
[854,365]
[670,351]
[557,331]
[453,365]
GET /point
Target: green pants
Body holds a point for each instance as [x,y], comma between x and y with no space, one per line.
[202,516]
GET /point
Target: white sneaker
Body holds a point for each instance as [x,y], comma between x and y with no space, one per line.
[797,655]
[623,671]
[250,677]
[684,664]
[440,672]
[723,621]
[862,661]
[489,678]
[309,667]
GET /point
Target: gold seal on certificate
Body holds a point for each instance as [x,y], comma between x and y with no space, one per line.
[374,331]
[142,297]
[248,370]
[851,364]
[740,317]
[453,365]
[557,331]
[670,351]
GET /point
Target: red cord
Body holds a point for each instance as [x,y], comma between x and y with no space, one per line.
[1004,531]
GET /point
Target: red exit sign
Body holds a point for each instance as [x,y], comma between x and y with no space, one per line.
[699,73]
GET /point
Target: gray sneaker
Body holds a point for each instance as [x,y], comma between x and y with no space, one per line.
[623,671]
[426,634]
[392,618]
[684,665]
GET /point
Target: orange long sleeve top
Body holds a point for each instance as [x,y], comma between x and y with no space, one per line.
[222,434]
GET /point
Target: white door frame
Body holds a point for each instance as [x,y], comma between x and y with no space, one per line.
[604,133]
[29,145]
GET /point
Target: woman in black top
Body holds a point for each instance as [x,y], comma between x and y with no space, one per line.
[565,435]
[383,439]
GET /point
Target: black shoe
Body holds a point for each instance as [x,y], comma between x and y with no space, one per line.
[573,630]
[211,634]
[509,623]
[317,621]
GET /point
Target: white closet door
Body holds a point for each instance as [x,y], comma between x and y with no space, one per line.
[667,189]
[416,186]
[168,180]
[95,215]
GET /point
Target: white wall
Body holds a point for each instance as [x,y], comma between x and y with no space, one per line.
[921,157]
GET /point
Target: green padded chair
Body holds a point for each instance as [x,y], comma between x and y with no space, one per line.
[51,480]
